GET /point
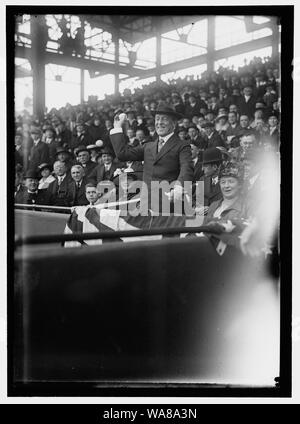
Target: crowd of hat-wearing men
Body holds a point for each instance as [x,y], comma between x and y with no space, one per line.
[225,116]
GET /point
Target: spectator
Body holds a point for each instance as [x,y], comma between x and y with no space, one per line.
[104,171]
[82,137]
[247,102]
[213,138]
[91,193]
[96,130]
[39,152]
[58,189]
[45,170]
[31,195]
[84,158]
[196,138]
[230,206]
[52,144]
[76,187]
[212,159]
[64,156]
[19,154]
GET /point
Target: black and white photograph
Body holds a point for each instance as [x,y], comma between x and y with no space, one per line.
[151,211]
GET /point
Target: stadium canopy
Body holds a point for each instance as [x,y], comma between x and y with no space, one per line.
[109,44]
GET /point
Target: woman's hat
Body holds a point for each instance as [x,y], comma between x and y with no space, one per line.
[232,169]
[45,166]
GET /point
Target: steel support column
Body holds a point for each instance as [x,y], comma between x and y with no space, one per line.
[275,40]
[116,41]
[81,85]
[82,69]
[38,45]
[158,51]
[211,36]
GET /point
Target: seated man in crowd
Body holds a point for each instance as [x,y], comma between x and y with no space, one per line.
[196,138]
[31,195]
[213,138]
[212,159]
[63,155]
[91,193]
[76,187]
[104,171]
[84,158]
[58,189]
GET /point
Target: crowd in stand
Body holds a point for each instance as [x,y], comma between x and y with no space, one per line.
[231,119]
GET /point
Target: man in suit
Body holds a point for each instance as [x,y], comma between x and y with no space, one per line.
[273,135]
[84,158]
[167,159]
[213,137]
[39,152]
[76,187]
[31,195]
[246,102]
[104,171]
[58,189]
[196,138]
[197,160]
[19,148]
[212,159]
[82,137]
[52,144]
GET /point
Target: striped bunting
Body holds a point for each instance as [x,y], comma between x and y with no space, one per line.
[89,219]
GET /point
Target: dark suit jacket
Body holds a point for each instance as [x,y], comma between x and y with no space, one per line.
[172,163]
[233,131]
[40,198]
[83,140]
[89,167]
[247,108]
[215,140]
[52,150]
[212,192]
[98,173]
[38,154]
[59,194]
[77,198]
[198,172]
[19,156]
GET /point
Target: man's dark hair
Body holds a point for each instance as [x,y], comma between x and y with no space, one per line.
[90,185]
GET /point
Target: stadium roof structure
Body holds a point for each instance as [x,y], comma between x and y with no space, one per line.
[137,28]
[103,57]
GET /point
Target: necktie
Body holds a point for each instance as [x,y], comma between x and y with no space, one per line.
[160,144]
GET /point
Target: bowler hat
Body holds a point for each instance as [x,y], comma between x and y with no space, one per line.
[212,155]
[165,109]
[107,151]
[31,174]
[208,125]
[81,149]
[35,130]
[61,150]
